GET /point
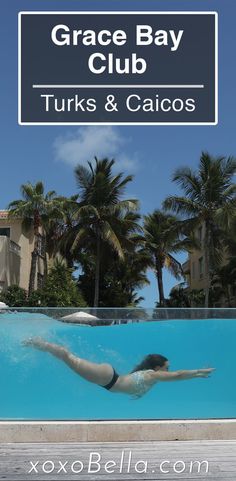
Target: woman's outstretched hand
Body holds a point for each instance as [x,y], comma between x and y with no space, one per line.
[205,372]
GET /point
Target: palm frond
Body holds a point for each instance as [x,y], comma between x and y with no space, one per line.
[109,235]
[182,205]
[188,181]
[174,266]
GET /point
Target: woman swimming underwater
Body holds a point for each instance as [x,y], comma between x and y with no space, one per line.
[153,369]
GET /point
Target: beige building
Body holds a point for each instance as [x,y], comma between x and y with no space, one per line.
[16,247]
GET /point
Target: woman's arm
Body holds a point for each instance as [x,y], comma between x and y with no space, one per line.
[181,375]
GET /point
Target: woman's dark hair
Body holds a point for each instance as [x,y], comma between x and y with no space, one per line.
[150,362]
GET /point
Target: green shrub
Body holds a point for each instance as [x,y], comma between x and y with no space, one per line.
[14,296]
[60,290]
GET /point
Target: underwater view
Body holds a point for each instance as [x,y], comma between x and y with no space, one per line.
[36,385]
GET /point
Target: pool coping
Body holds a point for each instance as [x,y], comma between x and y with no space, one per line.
[116,431]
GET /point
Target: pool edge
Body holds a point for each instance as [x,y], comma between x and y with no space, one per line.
[116,431]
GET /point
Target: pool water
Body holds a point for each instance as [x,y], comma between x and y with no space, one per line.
[36,386]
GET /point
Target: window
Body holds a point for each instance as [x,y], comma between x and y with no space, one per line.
[200,266]
[5,231]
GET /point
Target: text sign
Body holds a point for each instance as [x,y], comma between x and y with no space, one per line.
[117,68]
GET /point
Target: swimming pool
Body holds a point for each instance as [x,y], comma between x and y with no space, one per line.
[36,386]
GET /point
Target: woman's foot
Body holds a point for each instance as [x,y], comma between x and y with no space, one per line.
[39,343]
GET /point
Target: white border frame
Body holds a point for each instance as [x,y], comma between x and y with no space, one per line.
[117,13]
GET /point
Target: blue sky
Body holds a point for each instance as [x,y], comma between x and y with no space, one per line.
[49,153]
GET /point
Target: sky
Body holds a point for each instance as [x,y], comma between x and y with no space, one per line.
[150,153]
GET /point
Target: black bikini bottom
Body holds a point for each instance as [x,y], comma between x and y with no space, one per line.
[113,380]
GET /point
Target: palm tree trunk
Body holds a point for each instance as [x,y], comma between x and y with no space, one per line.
[69,260]
[45,259]
[160,285]
[207,264]
[97,272]
[34,257]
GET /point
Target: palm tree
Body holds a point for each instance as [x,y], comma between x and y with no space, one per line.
[179,297]
[210,200]
[60,229]
[34,210]
[119,277]
[163,237]
[100,211]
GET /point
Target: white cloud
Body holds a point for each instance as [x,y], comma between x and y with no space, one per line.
[87,142]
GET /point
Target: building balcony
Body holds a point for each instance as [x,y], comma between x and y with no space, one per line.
[14,247]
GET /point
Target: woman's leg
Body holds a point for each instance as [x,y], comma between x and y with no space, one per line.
[97,373]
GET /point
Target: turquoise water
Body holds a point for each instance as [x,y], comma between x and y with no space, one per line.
[34,385]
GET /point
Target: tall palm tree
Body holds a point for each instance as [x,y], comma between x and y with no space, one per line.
[209,199]
[60,229]
[34,210]
[119,277]
[162,238]
[99,210]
